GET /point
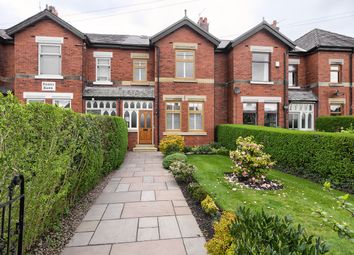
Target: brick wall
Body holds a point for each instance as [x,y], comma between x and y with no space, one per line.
[26,66]
[242,74]
[7,66]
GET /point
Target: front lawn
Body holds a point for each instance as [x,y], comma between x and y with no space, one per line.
[298,198]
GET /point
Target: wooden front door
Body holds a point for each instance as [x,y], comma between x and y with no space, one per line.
[145,127]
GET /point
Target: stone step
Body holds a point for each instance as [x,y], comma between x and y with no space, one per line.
[144,148]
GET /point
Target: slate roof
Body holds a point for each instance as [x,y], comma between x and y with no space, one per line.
[135,40]
[124,92]
[185,21]
[322,38]
[3,35]
[43,15]
[264,26]
[223,44]
[301,95]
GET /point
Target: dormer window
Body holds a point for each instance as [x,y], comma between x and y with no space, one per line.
[185,60]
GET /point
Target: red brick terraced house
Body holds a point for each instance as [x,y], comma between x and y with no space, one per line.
[182,80]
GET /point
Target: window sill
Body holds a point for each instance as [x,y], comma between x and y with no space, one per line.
[185,80]
[262,82]
[294,87]
[52,77]
[142,83]
[336,85]
[132,130]
[103,83]
[190,133]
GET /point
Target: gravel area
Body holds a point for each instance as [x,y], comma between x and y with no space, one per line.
[53,242]
[205,221]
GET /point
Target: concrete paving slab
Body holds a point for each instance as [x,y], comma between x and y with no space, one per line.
[183,210]
[147,209]
[188,226]
[160,247]
[122,187]
[152,173]
[148,179]
[95,212]
[115,231]
[148,195]
[148,234]
[195,246]
[118,197]
[169,195]
[147,186]
[168,227]
[88,250]
[80,239]
[148,222]
[113,211]
[87,226]
[132,180]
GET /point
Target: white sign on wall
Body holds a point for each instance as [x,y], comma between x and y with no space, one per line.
[48,85]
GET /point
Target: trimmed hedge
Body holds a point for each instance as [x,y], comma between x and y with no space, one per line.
[334,123]
[62,155]
[318,156]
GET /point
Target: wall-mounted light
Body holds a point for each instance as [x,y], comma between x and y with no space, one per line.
[277,64]
[237,90]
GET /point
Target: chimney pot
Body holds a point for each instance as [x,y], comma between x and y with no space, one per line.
[203,23]
[275,25]
[52,9]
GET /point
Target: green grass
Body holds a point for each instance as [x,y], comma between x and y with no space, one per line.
[298,198]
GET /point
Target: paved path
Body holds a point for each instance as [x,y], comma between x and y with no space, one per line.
[141,211]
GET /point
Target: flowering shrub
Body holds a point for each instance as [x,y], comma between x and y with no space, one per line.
[182,171]
[197,191]
[249,159]
[209,206]
[169,159]
[222,241]
[171,144]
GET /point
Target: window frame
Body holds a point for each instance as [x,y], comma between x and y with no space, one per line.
[136,109]
[50,54]
[135,67]
[336,113]
[339,73]
[62,99]
[248,111]
[185,61]
[36,100]
[263,62]
[110,110]
[295,76]
[108,81]
[196,112]
[276,112]
[173,112]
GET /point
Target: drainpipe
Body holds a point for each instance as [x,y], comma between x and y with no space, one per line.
[351,83]
[158,94]
[285,104]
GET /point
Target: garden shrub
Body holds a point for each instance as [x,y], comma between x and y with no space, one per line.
[61,154]
[334,123]
[259,233]
[249,159]
[207,149]
[319,156]
[172,144]
[222,241]
[182,171]
[169,159]
[209,206]
[197,191]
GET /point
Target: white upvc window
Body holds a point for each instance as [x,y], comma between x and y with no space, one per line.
[101,107]
[49,60]
[63,103]
[196,116]
[173,116]
[335,74]
[130,112]
[301,116]
[103,69]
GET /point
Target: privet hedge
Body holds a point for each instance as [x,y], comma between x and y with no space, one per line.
[318,156]
[334,123]
[62,155]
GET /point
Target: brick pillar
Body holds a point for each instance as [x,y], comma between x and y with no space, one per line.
[260,114]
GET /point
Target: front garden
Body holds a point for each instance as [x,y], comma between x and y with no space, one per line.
[258,209]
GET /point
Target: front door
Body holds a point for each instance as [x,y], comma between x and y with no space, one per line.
[145,127]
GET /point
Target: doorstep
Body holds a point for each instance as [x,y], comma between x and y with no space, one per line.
[144,148]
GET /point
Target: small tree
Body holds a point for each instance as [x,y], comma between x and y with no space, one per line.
[249,159]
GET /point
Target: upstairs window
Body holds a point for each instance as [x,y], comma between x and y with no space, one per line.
[173,116]
[185,64]
[49,59]
[293,76]
[139,70]
[103,69]
[260,66]
[250,113]
[335,75]
[196,115]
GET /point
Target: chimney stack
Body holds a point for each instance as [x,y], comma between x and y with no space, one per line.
[203,23]
[275,25]
[52,9]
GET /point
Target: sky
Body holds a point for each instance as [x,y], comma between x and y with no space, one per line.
[227,18]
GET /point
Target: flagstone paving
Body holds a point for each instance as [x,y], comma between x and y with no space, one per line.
[141,211]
